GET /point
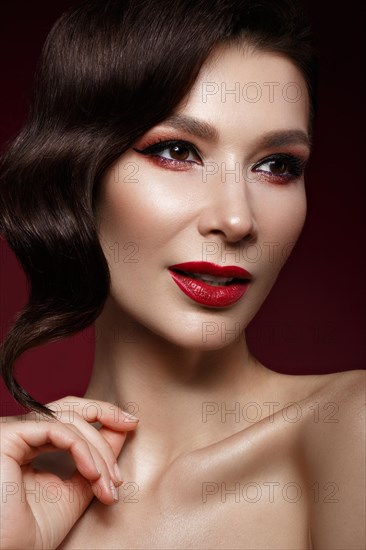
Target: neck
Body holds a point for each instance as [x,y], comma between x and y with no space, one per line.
[183,397]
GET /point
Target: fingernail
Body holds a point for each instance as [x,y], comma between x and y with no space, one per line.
[97,469]
[113,490]
[130,418]
[118,473]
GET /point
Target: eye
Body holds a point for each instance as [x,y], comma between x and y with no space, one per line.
[277,167]
[281,167]
[173,152]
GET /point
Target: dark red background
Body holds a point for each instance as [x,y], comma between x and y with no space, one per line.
[314,319]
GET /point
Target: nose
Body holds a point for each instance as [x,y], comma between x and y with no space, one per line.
[228,210]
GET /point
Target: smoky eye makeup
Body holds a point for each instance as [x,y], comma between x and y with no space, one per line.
[176,153]
[179,154]
[284,167]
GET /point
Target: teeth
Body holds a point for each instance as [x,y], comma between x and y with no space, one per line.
[211,279]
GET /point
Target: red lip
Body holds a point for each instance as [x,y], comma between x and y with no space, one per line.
[204,293]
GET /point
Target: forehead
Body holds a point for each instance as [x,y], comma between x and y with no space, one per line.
[249,91]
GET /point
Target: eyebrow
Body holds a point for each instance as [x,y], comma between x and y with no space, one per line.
[205,130]
[193,126]
[285,137]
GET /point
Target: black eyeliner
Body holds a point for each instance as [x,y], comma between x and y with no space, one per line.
[295,164]
[161,145]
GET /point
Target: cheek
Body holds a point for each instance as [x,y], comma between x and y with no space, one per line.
[282,215]
[133,227]
[150,211]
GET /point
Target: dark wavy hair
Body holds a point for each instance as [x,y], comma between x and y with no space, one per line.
[109,71]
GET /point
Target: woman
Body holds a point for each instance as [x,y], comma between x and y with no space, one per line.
[161,151]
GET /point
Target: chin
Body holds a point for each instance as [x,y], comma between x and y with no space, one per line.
[204,335]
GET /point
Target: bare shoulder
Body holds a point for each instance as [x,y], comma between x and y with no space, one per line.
[321,398]
[336,419]
[346,386]
[334,450]
[338,401]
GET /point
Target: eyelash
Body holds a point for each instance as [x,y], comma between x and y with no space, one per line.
[155,147]
[295,165]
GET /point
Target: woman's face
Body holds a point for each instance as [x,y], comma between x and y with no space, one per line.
[230,192]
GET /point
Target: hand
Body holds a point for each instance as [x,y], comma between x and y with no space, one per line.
[39,507]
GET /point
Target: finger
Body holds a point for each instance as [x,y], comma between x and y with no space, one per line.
[30,438]
[102,452]
[84,492]
[67,411]
[83,412]
[116,440]
[23,443]
[109,478]
[106,413]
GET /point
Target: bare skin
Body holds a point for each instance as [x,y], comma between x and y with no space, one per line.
[288,481]
[298,470]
